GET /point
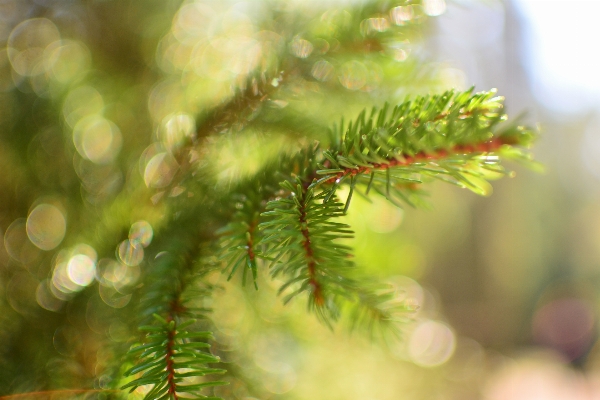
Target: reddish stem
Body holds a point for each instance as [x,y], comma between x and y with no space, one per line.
[170,369]
[175,307]
[407,160]
[317,291]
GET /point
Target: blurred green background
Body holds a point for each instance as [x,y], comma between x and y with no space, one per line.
[92,92]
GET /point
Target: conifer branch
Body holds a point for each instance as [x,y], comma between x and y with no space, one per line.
[302,242]
[170,358]
[315,287]
[252,93]
[404,160]
[455,137]
[299,236]
[240,242]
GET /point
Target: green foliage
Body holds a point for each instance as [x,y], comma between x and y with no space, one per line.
[302,243]
[240,241]
[304,246]
[170,358]
[451,137]
[284,216]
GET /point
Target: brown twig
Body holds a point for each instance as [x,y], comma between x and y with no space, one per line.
[317,291]
[170,364]
[407,160]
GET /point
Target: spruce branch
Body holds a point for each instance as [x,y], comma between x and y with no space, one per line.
[247,100]
[285,215]
[240,240]
[299,235]
[455,137]
[171,358]
[360,33]
[302,242]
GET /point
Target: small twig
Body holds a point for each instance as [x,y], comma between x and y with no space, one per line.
[406,160]
[317,291]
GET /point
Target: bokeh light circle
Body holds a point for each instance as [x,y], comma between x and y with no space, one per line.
[81,102]
[130,253]
[81,269]
[431,343]
[141,233]
[434,8]
[322,70]
[160,170]
[177,129]
[353,75]
[97,139]
[565,325]
[17,243]
[67,60]
[27,42]
[14,237]
[46,226]
[301,48]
